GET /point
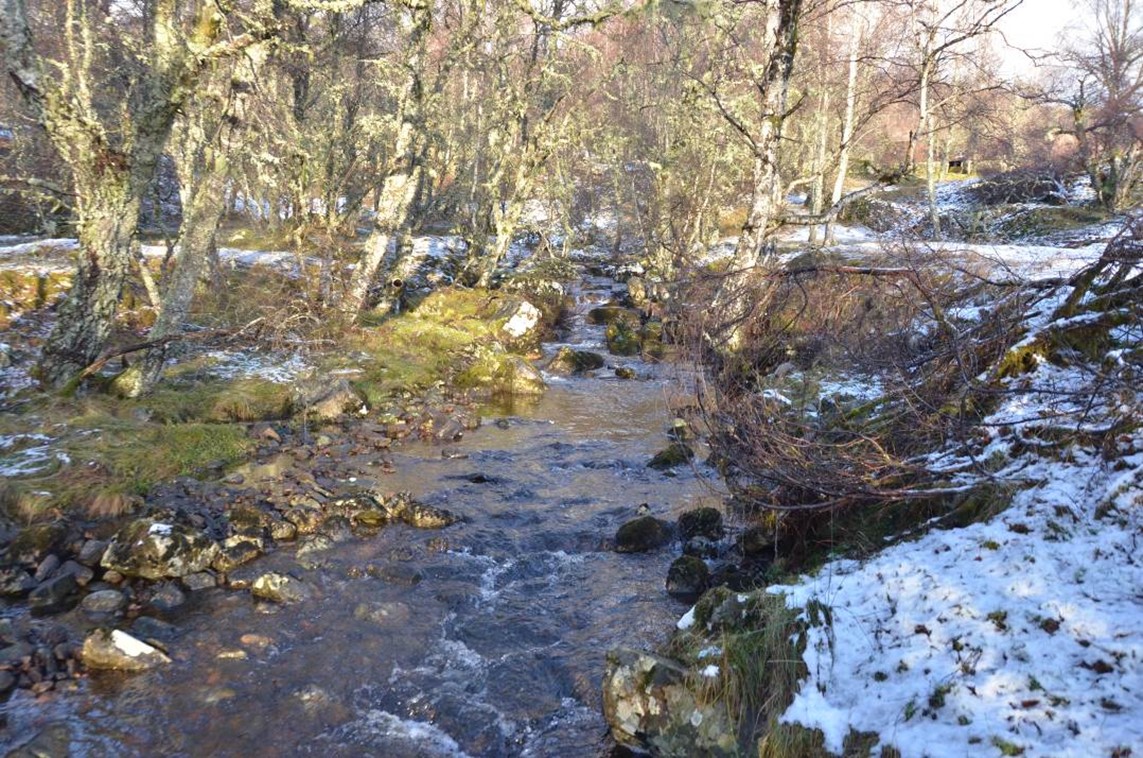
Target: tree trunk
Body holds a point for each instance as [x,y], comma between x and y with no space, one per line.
[846,129]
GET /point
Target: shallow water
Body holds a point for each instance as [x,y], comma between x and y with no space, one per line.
[487,638]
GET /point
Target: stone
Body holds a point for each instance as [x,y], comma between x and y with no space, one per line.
[34,542]
[571,361]
[279,588]
[687,578]
[83,575]
[154,631]
[675,454]
[7,682]
[642,534]
[103,602]
[649,707]
[522,323]
[382,613]
[92,552]
[118,650]
[757,543]
[54,596]
[15,582]
[427,517]
[166,597]
[625,372]
[328,398]
[52,740]
[235,554]
[606,315]
[701,522]
[623,339]
[202,580]
[155,550]
[701,547]
[47,567]
[306,519]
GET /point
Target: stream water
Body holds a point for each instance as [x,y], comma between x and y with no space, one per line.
[487,638]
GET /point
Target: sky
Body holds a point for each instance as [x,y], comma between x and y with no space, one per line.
[1036,24]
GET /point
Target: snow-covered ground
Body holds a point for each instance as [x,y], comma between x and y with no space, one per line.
[1019,636]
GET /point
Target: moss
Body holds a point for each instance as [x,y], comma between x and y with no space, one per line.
[623,339]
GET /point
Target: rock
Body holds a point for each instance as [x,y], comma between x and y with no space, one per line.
[623,339]
[15,582]
[91,552]
[382,614]
[83,575]
[701,522]
[625,372]
[283,531]
[47,567]
[202,580]
[606,315]
[34,542]
[279,588]
[306,519]
[642,535]
[154,631]
[680,431]
[156,550]
[675,454]
[517,376]
[649,708]
[7,682]
[54,596]
[701,547]
[427,517]
[328,398]
[687,578]
[238,552]
[570,361]
[166,597]
[757,543]
[522,323]
[103,603]
[53,740]
[115,649]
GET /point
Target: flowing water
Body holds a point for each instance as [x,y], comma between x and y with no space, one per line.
[487,638]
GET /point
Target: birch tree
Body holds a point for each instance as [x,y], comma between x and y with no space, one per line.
[111,141]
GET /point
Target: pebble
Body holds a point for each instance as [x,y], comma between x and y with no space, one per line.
[103,602]
[46,568]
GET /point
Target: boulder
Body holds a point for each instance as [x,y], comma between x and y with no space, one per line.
[605,315]
[675,454]
[687,578]
[642,534]
[523,323]
[103,603]
[327,398]
[700,522]
[115,649]
[35,542]
[623,339]
[154,549]
[15,582]
[570,361]
[650,708]
[279,588]
[54,596]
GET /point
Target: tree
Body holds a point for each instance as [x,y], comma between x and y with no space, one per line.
[110,138]
[1105,99]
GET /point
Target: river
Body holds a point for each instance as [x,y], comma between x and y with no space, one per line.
[485,639]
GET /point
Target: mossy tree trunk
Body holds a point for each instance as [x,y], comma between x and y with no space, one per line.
[111,141]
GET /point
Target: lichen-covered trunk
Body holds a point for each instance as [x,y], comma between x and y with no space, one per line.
[202,210]
[847,128]
[753,254]
[107,222]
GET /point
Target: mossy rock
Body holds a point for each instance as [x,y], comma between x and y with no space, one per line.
[34,542]
[642,535]
[498,373]
[675,454]
[570,361]
[607,315]
[687,578]
[701,522]
[623,339]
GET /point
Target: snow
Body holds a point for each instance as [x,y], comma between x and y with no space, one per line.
[1024,632]
[277,368]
